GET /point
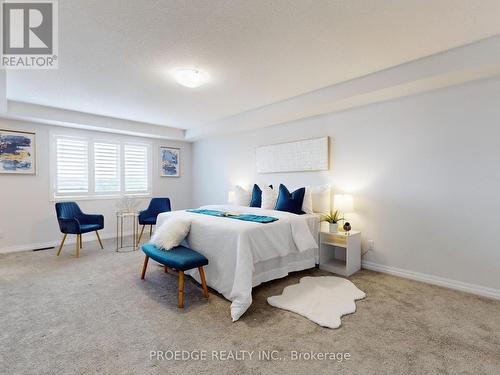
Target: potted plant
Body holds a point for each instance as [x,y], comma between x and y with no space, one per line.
[333,218]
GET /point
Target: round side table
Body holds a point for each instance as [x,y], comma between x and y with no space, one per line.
[120,216]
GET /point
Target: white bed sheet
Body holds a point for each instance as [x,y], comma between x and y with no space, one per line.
[244,254]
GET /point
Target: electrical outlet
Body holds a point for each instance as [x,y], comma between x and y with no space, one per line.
[371,245]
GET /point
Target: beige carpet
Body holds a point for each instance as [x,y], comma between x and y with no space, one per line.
[94,315]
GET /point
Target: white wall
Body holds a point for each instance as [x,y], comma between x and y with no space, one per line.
[424,171]
[27,214]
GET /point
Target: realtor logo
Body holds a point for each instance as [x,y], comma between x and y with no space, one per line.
[29,34]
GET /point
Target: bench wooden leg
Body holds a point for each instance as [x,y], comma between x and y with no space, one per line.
[203,281]
[62,244]
[181,289]
[166,269]
[144,267]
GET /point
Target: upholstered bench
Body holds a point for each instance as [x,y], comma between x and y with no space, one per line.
[180,258]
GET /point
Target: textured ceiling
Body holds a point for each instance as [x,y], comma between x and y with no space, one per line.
[115,55]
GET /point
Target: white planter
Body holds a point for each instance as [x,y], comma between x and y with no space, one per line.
[334,227]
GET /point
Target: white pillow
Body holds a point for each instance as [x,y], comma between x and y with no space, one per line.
[269,197]
[307,204]
[171,233]
[321,196]
[242,196]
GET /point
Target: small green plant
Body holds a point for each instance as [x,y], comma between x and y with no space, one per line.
[332,217]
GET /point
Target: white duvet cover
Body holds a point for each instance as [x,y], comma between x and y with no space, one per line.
[234,246]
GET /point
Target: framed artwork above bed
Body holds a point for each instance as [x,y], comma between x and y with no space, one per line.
[17,152]
[298,156]
[169,161]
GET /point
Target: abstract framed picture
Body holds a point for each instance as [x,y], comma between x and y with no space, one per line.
[17,152]
[169,162]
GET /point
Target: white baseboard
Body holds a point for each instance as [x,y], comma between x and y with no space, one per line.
[435,280]
[71,239]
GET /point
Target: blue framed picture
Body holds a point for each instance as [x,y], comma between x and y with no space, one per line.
[169,161]
[17,152]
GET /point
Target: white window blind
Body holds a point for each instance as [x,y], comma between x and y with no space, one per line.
[72,173]
[136,168]
[106,167]
[88,167]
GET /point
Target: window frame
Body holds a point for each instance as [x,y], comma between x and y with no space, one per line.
[91,140]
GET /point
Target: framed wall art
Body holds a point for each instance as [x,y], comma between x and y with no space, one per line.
[169,161]
[17,152]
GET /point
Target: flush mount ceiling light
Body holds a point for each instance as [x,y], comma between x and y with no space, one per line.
[189,77]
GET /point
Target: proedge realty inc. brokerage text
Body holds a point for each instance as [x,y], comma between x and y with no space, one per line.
[247,355]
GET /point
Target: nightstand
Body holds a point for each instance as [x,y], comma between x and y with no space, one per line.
[340,253]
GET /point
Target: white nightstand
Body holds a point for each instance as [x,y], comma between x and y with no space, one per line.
[340,253]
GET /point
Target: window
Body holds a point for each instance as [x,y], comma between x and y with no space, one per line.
[136,168]
[87,167]
[107,168]
[72,166]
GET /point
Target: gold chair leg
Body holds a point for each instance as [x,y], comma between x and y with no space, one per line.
[203,281]
[99,239]
[181,290]
[143,274]
[81,241]
[140,235]
[78,246]
[62,244]
[150,230]
[166,269]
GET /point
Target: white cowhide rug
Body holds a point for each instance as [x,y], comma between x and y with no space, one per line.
[323,299]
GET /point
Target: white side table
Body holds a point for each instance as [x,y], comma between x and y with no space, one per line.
[120,216]
[340,252]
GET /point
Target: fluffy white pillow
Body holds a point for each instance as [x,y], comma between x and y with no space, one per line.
[321,196]
[242,197]
[269,197]
[307,204]
[171,233]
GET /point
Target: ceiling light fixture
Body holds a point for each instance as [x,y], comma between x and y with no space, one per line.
[190,77]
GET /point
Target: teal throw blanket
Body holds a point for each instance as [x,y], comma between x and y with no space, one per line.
[244,217]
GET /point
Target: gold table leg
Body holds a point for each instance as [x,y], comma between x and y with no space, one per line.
[134,228]
[121,234]
[117,234]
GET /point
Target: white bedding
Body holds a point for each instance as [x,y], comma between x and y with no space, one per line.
[233,246]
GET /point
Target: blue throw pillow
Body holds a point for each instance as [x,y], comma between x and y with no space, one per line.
[256,200]
[290,202]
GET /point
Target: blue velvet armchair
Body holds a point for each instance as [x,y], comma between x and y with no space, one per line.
[149,215]
[73,221]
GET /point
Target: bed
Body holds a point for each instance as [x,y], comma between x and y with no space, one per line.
[245,254]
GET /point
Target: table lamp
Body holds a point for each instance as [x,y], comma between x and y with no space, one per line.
[231,197]
[344,203]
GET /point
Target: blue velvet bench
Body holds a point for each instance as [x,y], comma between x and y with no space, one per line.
[180,258]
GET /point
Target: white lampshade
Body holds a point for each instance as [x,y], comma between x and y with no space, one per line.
[343,202]
[231,197]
